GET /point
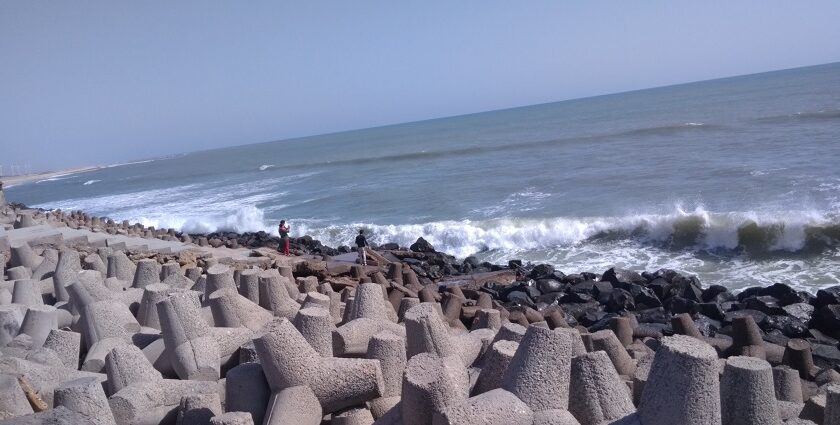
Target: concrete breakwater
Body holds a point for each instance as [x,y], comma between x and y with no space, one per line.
[107,324]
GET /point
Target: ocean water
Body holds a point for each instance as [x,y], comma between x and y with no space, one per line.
[735,180]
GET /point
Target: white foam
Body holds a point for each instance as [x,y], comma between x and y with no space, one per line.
[90,182]
[265,167]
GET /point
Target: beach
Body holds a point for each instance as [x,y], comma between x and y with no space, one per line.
[11,181]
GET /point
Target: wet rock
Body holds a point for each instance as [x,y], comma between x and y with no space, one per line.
[679,305]
[828,296]
[827,319]
[541,271]
[549,285]
[621,278]
[653,315]
[712,292]
[712,310]
[644,297]
[784,294]
[800,311]
[422,245]
[759,317]
[788,326]
[764,303]
[619,300]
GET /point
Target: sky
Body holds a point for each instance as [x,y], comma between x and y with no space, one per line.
[100,82]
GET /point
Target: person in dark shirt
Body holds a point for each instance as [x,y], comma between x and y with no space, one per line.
[361,244]
[284,236]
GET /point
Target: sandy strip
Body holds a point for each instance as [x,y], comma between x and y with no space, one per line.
[11,181]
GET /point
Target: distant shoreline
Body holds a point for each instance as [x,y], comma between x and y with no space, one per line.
[11,181]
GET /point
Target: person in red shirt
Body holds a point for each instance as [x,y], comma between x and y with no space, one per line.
[283,229]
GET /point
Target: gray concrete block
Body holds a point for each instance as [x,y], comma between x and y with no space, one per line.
[316,326]
[247,391]
[597,393]
[683,384]
[13,401]
[274,295]
[232,418]
[38,322]
[121,267]
[353,416]
[787,384]
[608,342]
[539,371]
[67,345]
[747,394]
[85,397]
[495,364]
[147,272]
[493,407]
[352,338]
[194,353]
[198,409]
[430,385]
[293,405]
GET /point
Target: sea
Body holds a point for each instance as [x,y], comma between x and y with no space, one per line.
[735,180]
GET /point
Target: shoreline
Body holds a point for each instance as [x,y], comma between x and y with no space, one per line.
[463,309]
[12,181]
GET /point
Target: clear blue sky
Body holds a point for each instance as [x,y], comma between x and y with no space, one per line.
[97,82]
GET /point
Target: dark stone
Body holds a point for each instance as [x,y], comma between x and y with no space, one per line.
[776,337]
[817,337]
[659,286]
[712,310]
[653,315]
[749,292]
[549,298]
[421,245]
[644,297]
[589,276]
[573,279]
[577,310]
[800,311]
[393,247]
[514,264]
[825,356]
[679,305]
[576,297]
[621,278]
[828,296]
[765,304]
[688,288]
[542,271]
[619,300]
[788,326]
[706,325]
[602,290]
[592,317]
[520,297]
[757,316]
[603,323]
[666,274]
[827,319]
[587,287]
[713,291]
[549,285]
[783,293]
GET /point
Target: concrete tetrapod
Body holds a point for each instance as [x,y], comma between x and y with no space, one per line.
[682,386]
[353,416]
[288,361]
[197,409]
[147,314]
[426,332]
[27,292]
[787,385]
[747,394]
[539,372]
[369,303]
[66,273]
[274,295]
[93,262]
[389,349]
[194,352]
[13,401]
[104,325]
[430,385]
[66,345]
[493,407]
[218,277]
[47,267]
[85,397]
[597,393]
[147,272]
[247,391]
[608,342]
[23,255]
[10,319]
[316,326]
[294,405]
[232,310]
[352,338]
[495,364]
[121,267]
[140,394]
[38,322]
[832,405]
[249,284]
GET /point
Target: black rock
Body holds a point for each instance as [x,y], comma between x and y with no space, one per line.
[765,304]
[586,287]
[825,356]
[577,310]
[592,317]
[783,293]
[653,315]
[828,296]
[688,288]
[549,285]
[422,245]
[817,337]
[644,297]
[573,279]
[393,247]
[549,298]
[619,300]
[520,297]
[712,310]
[659,286]
[514,264]
[602,323]
[679,305]
[749,292]
[788,326]
[800,311]
[576,297]
[666,274]
[706,325]
[776,337]
[713,291]
[621,278]
[827,319]
[589,276]
[602,289]
[757,316]
[542,271]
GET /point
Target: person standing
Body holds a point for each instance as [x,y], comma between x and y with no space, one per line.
[361,244]
[283,229]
